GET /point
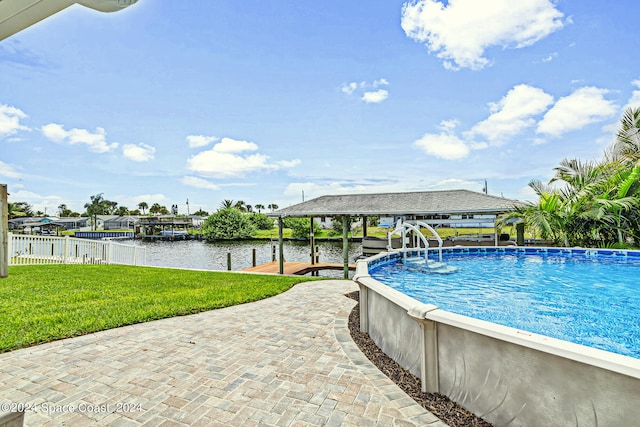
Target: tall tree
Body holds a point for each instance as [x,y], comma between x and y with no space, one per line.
[15,210]
[593,203]
[143,206]
[627,145]
[122,211]
[240,205]
[111,207]
[95,207]
[226,204]
[156,208]
[20,209]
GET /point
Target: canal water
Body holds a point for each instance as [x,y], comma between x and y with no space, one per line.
[213,256]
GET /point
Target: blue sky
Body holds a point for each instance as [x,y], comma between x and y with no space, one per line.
[263,101]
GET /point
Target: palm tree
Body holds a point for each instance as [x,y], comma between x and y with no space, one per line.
[19,209]
[94,207]
[226,204]
[591,204]
[111,207]
[273,207]
[618,203]
[143,206]
[15,211]
[240,205]
[259,207]
[627,145]
[156,208]
[122,211]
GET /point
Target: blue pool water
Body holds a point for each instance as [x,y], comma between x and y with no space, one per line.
[592,300]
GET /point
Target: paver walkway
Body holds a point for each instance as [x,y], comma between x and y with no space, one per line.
[284,361]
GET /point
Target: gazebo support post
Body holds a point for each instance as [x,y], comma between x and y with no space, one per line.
[345,244]
[312,241]
[281,244]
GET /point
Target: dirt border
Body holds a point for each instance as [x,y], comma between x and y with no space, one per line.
[440,405]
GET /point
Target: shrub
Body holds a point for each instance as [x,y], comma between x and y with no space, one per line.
[261,221]
[227,223]
[338,221]
[300,227]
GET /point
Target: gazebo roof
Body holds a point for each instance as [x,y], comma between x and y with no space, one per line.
[397,204]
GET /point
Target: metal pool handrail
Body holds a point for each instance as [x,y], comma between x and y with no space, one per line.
[403,227]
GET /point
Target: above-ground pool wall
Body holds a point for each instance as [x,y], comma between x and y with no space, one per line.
[505,376]
[510,384]
[395,333]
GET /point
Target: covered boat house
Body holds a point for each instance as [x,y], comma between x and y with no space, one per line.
[436,208]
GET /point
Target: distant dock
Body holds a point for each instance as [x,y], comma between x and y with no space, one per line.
[104,234]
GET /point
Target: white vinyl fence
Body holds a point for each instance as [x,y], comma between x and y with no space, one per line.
[25,249]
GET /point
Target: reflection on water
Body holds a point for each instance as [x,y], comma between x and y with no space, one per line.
[213,256]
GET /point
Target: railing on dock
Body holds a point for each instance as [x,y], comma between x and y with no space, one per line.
[26,249]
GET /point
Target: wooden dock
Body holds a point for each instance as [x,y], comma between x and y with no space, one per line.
[298,268]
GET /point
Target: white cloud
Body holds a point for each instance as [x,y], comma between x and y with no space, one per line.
[610,130]
[449,125]
[584,106]
[445,146]
[48,204]
[8,170]
[194,181]
[380,82]
[288,164]
[369,95]
[226,160]
[349,88]
[550,57]
[224,165]
[96,140]
[196,141]
[634,101]
[375,97]
[460,31]
[527,193]
[228,145]
[10,120]
[138,153]
[322,187]
[316,189]
[455,184]
[513,114]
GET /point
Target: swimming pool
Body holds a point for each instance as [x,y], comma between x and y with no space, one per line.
[470,338]
[586,297]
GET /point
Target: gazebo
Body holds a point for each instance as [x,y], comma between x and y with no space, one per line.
[435,207]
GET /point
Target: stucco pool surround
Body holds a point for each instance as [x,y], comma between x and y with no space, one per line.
[505,375]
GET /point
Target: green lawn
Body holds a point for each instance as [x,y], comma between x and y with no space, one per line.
[49,302]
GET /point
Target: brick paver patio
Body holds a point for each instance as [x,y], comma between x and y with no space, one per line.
[284,361]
